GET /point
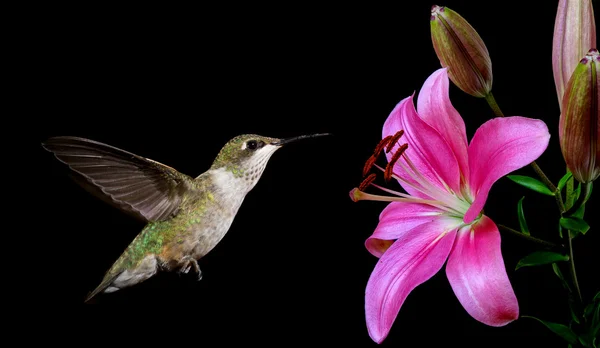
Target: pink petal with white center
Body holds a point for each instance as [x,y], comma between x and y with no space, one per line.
[414,258]
[500,146]
[434,107]
[478,277]
[427,149]
[395,221]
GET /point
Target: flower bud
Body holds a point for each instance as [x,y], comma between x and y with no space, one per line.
[574,35]
[579,125]
[461,50]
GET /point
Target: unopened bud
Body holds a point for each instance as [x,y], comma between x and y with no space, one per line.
[579,125]
[461,50]
[574,35]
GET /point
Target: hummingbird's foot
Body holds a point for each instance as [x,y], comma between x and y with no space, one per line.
[197,270]
[189,263]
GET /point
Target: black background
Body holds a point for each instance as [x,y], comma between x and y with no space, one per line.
[175,82]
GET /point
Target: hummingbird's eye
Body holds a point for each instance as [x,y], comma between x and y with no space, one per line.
[252,144]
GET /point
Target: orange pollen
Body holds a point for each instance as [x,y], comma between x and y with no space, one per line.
[371,161]
[394,140]
[369,164]
[385,141]
[368,181]
[390,167]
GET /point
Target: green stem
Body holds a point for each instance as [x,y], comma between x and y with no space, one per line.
[544,178]
[528,237]
[492,103]
[550,185]
[586,189]
[572,266]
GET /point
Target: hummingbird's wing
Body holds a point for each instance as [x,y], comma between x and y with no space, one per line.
[148,189]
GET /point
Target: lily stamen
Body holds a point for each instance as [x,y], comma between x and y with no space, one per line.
[416,186]
[368,181]
[390,167]
[436,204]
[394,140]
[371,161]
[369,164]
[358,195]
[382,144]
[427,188]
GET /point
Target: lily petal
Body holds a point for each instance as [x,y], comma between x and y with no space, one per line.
[478,277]
[434,107]
[397,219]
[411,260]
[500,146]
[427,149]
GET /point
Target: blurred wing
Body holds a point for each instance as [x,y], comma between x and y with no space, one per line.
[146,188]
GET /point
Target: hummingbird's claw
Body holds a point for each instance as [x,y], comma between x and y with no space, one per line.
[197,269]
[188,263]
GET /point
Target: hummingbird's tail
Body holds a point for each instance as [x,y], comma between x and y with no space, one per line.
[92,294]
[108,279]
[119,277]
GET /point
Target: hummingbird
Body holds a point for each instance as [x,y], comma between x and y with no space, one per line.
[185,217]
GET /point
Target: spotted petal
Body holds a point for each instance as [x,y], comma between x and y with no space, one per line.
[478,277]
[500,146]
[416,256]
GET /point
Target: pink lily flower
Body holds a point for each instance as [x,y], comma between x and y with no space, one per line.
[448,181]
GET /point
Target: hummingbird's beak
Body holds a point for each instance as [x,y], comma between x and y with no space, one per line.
[281,142]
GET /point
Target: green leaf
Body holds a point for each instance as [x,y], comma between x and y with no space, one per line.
[559,329]
[569,193]
[561,277]
[596,319]
[591,311]
[588,311]
[586,340]
[560,232]
[579,212]
[522,221]
[574,224]
[541,258]
[592,315]
[563,180]
[576,193]
[574,316]
[531,183]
